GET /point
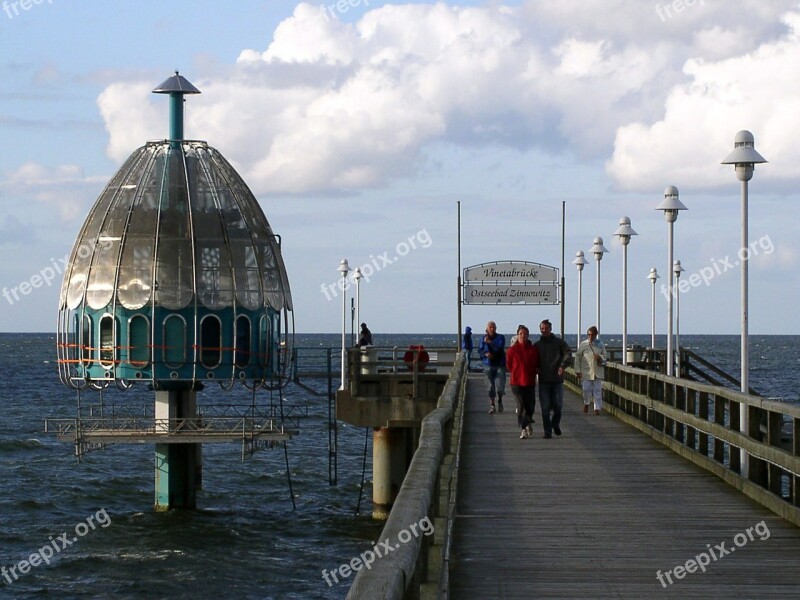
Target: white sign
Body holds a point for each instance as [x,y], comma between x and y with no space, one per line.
[511,293]
[516,271]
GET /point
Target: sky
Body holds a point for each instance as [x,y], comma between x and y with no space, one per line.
[362,126]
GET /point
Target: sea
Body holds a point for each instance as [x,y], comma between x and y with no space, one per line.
[247,539]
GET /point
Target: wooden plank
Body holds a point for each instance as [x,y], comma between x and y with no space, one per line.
[597,512]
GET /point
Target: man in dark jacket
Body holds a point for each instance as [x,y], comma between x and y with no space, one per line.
[554,357]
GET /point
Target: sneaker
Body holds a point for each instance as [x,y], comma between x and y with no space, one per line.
[529,429]
[557,430]
[547,436]
[491,409]
[586,408]
[500,404]
[524,434]
[596,411]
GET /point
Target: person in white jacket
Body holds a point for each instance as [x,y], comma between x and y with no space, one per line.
[589,361]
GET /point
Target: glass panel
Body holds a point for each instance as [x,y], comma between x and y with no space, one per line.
[210,341]
[242,358]
[265,343]
[87,343]
[139,341]
[107,350]
[174,341]
[136,271]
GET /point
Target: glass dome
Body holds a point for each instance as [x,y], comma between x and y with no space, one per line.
[175,232]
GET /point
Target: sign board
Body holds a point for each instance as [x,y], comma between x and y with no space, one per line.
[511,293]
[510,282]
[511,271]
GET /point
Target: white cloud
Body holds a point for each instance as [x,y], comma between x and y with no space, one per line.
[331,106]
[756,91]
[64,188]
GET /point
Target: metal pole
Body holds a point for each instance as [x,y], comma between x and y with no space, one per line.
[358,303]
[678,322]
[745,373]
[653,314]
[597,320]
[563,221]
[670,357]
[344,327]
[458,278]
[625,305]
[580,292]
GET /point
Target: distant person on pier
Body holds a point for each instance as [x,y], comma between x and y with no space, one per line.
[493,355]
[554,357]
[589,361]
[522,362]
[365,337]
[466,345]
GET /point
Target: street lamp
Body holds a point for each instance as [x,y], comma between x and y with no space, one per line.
[357,277]
[624,233]
[652,277]
[598,250]
[344,269]
[579,263]
[677,269]
[745,157]
[670,205]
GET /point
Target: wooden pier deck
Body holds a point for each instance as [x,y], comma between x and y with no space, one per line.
[599,511]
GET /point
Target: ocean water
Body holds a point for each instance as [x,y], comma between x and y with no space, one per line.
[245,540]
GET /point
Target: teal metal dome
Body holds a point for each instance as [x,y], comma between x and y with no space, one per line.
[176,276]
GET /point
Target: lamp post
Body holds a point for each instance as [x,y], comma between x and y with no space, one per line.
[357,277]
[344,269]
[652,277]
[745,157]
[670,205]
[579,262]
[624,233]
[677,269]
[598,250]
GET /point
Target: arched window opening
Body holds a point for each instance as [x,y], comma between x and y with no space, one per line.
[174,342]
[242,355]
[210,342]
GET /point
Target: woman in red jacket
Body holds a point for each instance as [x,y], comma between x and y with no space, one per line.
[522,363]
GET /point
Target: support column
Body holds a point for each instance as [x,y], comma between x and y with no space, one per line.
[178,466]
[389,467]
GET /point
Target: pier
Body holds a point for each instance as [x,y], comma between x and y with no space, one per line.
[643,500]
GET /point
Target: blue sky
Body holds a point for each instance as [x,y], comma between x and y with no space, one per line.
[360,129]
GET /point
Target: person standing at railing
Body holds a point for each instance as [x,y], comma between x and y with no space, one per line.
[466,345]
[493,355]
[365,337]
[554,357]
[590,359]
[522,362]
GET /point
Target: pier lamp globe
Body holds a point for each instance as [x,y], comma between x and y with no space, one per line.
[598,250]
[344,269]
[652,277]
[744,157]
[677,269]
[579,262]
[624,232]
[671,205]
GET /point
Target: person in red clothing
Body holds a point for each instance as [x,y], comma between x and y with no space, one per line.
[522,362]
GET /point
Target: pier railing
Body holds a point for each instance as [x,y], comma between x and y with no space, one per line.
[417,566]
[702,423]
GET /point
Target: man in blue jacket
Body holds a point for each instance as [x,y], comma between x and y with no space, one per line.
[554,357]
[493,355]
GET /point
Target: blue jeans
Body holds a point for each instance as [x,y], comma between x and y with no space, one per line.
[497,381]
[551,399]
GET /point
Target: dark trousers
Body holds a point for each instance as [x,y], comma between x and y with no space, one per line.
[526,403]
[551,397]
